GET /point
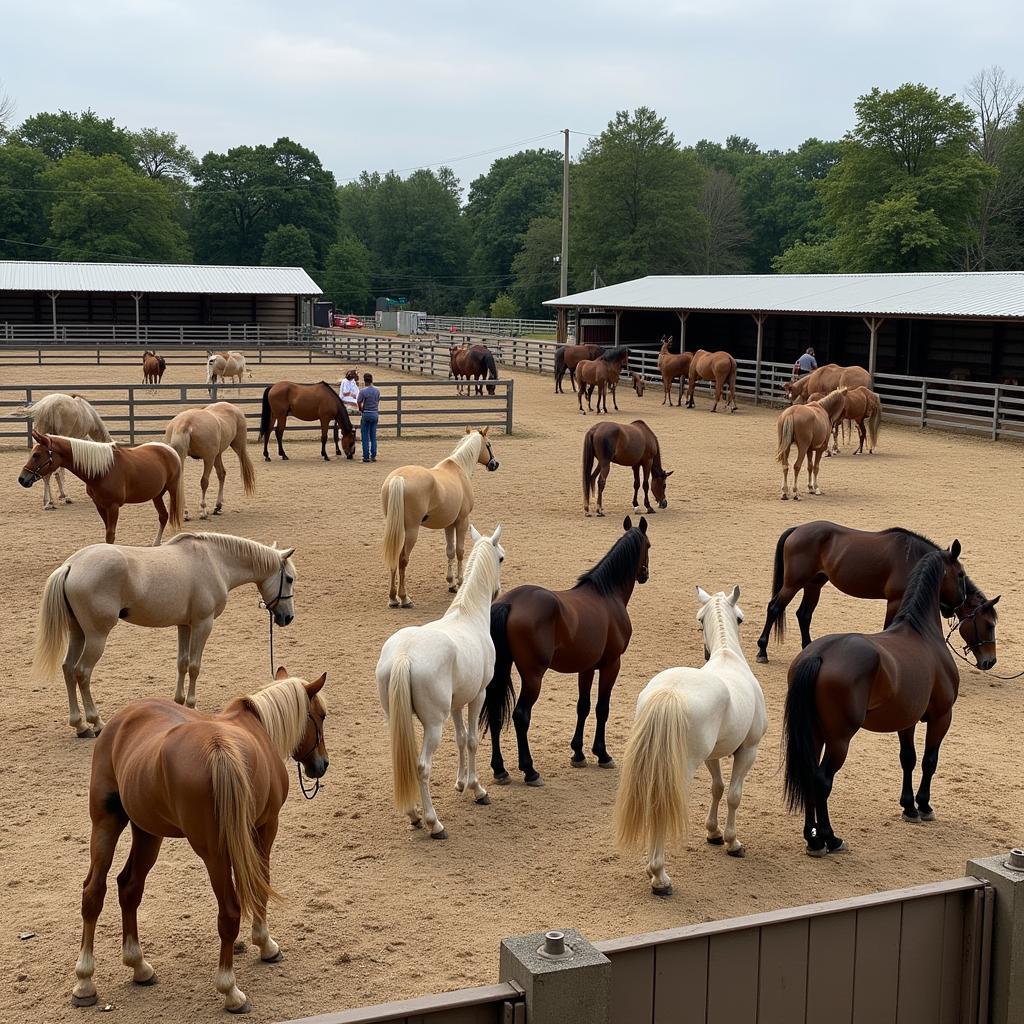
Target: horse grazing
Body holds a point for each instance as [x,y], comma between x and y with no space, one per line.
[869,565]
[205,434]
[308,402]
[184,583]
[68,416]
[218,781]
[434,671]
[439,499]
[884,682]
[719,367]
[809,427]
[153,367]
[827,378]
[113,475]
[626,444]
[476,362]
[583,630]
[671,366]
[602,373]
[685,717]
[567,358]
[222,366]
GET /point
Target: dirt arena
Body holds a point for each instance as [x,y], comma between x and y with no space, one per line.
[375,910]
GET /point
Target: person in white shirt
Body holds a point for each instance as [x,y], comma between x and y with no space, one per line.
[349,391]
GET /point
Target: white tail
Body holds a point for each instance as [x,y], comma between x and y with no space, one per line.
[394,522]
[785,427]
[52,627]
[403,738]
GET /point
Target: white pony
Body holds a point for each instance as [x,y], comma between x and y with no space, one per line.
[685,716]
[222,365]
[434,671]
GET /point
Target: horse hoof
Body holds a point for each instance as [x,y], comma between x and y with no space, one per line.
[275,959]
[50,508]
[240,947]
[762,658]
[911,819]
[662,893]
[266,458]
[151,980]
[610,763]
[187,517]
[716,840]
[578,762]
[537,783]
[785,497]
[407,603]
[246,1007]
[83,1000]
[418,823]
[502,779]
[67,501]
[284,458]
[740,851]
[600,515]
[453,589]
[217,511]
[86,734]
[817,852]
[484,800]
[928,815]
[443,834]
[393,603]
[840,847]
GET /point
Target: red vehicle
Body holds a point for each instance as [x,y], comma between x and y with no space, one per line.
[348,321]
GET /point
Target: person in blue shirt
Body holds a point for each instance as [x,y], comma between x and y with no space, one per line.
[805,364]
[369,408]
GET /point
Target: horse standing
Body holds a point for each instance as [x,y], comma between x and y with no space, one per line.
[224,366]
[809,427]
[434,671]
[439,499]
[218,781]
[672,366]
[567,358]
[626,444]
[686,716]
[476,362]
[719,367]
[308,402]
[863,408]
[153,367]
[827,378]
[602,373]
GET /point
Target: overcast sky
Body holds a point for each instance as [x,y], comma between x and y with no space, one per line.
[399,85]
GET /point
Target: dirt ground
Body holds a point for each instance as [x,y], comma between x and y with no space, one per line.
[376,911]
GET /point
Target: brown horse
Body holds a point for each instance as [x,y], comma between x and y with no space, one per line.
[884,682]
[602,373]
[218,781]
[863,408]
[476,362]
[113,475]
[307,402]
[868,565]
[672,366]
[626,444]
[827,378]
[809,427]
[568,357]
[153,367]
[719,367]
[583,630]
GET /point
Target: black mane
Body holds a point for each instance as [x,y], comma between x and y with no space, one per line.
[618,566]
[611,355]
[920,605]
[918,545]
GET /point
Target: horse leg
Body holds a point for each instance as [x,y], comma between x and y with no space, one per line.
[449,550]
[270,951]
[647,491]
[92,651]
[337,443]
[804,614]
[204,483]
[198,636]
[800,453]
[59,474]
[229,917]
[109,516]
[184,632]
[579,398]
[266,441]
[48,505]
[472,745]
[817,465]
[572,377]
[602,478]
[279,426]
[431,741]
[130,884]
[461,528]
[714,766]
[636,490]
[605,681]
[908,761]
[785,479]
[161,512]
[403,562]
[862,431]
[835,757]
[615,403]
[460,743]
[323,441]
[776,608]
[521,715]
[218,465]
[76,643]
[742,762]
[585,681]
[933,737]
[718,394]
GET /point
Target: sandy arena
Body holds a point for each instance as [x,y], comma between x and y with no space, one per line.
[376,911]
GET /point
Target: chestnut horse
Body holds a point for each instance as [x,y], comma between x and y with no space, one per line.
[568,357]
[113,475]
[583,630]
[863,408]
[827,378]
[218,781]
[883,682]
[719,367]
[476,362]
[809,427]
[602,373]
[672,365]
[153,367]
[306,402]
[626,444]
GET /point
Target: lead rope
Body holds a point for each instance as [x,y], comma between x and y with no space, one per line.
[298,764]
[967,661]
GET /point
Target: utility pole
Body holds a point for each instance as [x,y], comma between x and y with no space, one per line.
[563,263]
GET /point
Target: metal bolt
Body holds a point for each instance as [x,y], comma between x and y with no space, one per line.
[554,947]
[1016,859]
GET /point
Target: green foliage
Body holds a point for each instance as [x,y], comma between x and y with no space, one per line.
[57,135]
[288,246]
[504,307]
[22,205]
[161,155]
[475,308]
[346,279]
[535,276]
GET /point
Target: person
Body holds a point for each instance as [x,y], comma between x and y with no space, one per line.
[349,391]
[805,364]
[368,402]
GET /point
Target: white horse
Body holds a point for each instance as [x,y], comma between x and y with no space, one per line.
[68,416]
[222,365]
[183,583]
[685,716]
[434,671]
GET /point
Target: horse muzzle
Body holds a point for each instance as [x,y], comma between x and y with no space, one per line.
[316,768]
[492,465]
[663,503]
[643,576]
[282,618]
[27,479]
[989,661]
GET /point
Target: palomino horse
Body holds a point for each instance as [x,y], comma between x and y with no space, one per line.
[183,583]
[476,362]
[869,565]
[827,378]
[205,434]
[68,416]
[113,475]
[434,671]
[567,358]
[308,402]
[224,366]
[218,781]
[626,444]
[719,367]
[583,630]
[153,367]
[809,427]
[884,682]
[439,499]
[602,373]
[685,717]
[672,366]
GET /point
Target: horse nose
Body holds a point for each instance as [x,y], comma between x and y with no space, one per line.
[663,503]
[493,465]
[25,479]
[988,663]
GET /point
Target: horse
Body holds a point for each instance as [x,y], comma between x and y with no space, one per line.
[719,367]
[639,384]
[809,427]
[476,362]
[670,366]
[626,444]
[434,671]
[153,367]
[218,781]
[184,583]
[827,378]
[439,499]
[223,365]
[114,475]
[868,565]
[862,407]
[583,630]
[567,358]
[685,717]
[306,402]
[884,682]
[205,434]
[69,416]
[602,373]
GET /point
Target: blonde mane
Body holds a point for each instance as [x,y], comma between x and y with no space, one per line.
[479,584]
[832,403]
[467,452]
[283,708]
[264,559]
[92,458]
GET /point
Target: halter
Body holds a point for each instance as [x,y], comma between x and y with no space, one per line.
[37,474]
[298,759]
[269,607]
[972,648]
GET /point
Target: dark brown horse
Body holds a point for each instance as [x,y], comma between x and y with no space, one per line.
[869,565]
[307,402]
[883,682]
[671,366]
[153,367]
[626,444]
[476,362]
[583,630]
[568,357]
[602,373]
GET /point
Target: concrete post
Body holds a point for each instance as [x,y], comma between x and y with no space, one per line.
[571,987]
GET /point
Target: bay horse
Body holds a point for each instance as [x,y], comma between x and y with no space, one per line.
[827,378]
[583,630]
[114,475]
[719,367]
[567,358]
[883,682]
[602,373]
[184,583]
[153,367]
[436,670]
[222,366]
[438,499]
[476,362]
[809,427]
[626,444]
[218,781]
[865,564]
[308,402]
[671,366]
[204,435]
[686,717]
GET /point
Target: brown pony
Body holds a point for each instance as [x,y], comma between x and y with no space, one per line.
[476,362]
[602,373]
[568,357]
[672,366]
[719,367]
[626,444]
[113,475]
[153,367]
[827,378]
[218,781]
[583,630]
[809,427]
[307,402]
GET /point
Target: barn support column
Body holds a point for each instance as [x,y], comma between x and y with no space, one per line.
[53,311]
[618,318]
[562,326]
[873,324]
[759,319]
[684,315]
[1005,874]
[137,296]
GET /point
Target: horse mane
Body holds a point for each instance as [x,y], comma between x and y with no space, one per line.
[263,558]
[831,400]
[611,355]
[917,544]
[93,458]
[919,607]
[478,585]
[617,566]
[334,393]
[467,451]
[283,709]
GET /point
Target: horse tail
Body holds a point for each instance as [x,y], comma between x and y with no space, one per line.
[177,495]
[559,365]
[778,574]
[501,694]
[265,415]
[241,448]
[492,370]
[798,727]
[394,521]
[732,382]
[874,422]
[785,438]
[53,625]
[588,466]
[651,804]
[179,437]
[400,730]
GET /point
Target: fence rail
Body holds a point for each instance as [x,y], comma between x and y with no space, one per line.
[153,334]
[492,326]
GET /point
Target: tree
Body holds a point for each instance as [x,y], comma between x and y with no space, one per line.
[161,155]
[288,246]
[57,135]
[346,279]
[535,275]
[22,201]
[7,108]
[723,233]
[504,307]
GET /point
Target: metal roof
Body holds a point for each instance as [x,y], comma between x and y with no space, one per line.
[28,275]
[953,294]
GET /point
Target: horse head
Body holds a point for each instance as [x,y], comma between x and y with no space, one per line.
[643,570]
[658,482]
[499,553]
[42,460]
[278,589]
[638,384]
[978,619]
[486,456]
[722,601]
[953,590]
[311,750]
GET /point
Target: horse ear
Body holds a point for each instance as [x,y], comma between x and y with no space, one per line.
[627,523]
[994,601]
[316,686]
[954,549]
[469,430]
[38,438]
[485,431]
[474,533]
[643,524]
[669,473]
[285,555]
[497,536]
[735,595]
[282,672]
[702,595]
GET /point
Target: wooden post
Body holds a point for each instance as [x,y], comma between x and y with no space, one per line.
[618,317]
[562,327]
[398,409]
[683,317]
[28,421]
[136,296]
[53,311]
[131,415]
[995,414]
[873,324]
[508,406]
[759,319]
